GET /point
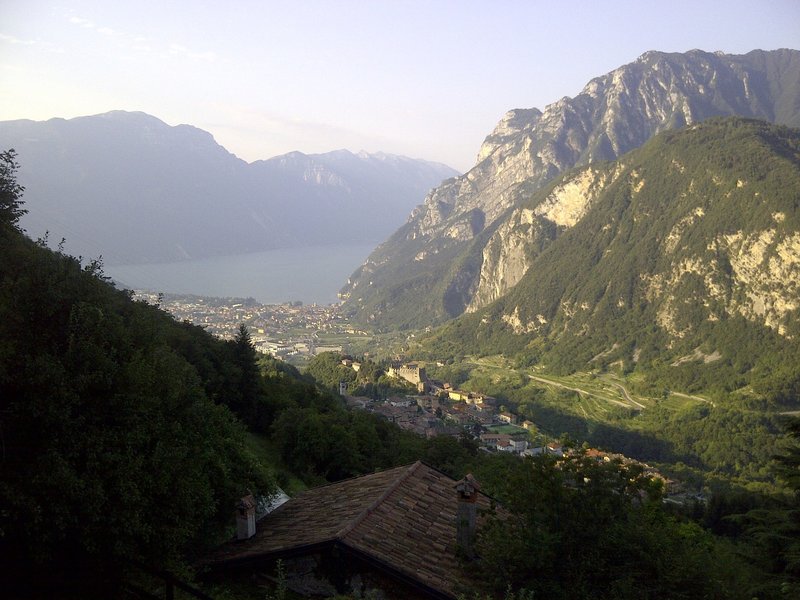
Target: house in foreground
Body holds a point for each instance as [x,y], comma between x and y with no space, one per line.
[406,531]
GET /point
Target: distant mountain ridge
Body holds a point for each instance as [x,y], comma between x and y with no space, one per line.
[463,249]
[133,189]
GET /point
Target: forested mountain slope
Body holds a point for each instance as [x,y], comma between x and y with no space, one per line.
[458,251]
[117,437]
[686,253]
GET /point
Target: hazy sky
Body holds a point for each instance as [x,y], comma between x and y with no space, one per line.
[427,78]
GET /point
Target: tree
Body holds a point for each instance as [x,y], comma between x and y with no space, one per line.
[775,531]
[245,398]
[576,528]
[111,444]
[10,191]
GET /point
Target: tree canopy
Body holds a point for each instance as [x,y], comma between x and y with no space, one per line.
[579,528]
[115,439]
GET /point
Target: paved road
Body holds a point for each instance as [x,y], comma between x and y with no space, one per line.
[627,396]
[693,398]
[625,393]
[580,391]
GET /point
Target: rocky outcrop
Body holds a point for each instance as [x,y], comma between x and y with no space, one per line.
[515,244]
[505,258]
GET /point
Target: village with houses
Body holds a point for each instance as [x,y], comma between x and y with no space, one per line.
[295,332]
[440,409]
[420,549]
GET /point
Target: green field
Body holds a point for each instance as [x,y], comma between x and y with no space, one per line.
[507,429]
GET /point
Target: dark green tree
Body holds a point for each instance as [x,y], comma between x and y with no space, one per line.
[327,370]
[245,397]
[775,531]
[112,446]
[579,528]
[10,191]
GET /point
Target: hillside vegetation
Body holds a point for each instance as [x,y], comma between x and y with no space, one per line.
[687,264]
[117,438]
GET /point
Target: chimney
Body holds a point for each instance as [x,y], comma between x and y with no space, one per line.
[466,516]
[246,518]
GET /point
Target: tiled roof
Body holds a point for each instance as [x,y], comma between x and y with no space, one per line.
[404,518]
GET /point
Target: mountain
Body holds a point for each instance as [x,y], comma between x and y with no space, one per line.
[131,188]
[468,244]
[683,252]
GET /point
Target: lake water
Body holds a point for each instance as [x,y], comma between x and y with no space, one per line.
[313,274]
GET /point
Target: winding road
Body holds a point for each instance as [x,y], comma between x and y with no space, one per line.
[588,393]
[627,396]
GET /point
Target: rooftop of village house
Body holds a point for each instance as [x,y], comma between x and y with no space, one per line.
[403,518]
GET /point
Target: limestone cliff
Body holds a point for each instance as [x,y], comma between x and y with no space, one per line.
[517,241]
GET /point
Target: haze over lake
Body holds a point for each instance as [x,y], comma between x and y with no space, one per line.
[312,274]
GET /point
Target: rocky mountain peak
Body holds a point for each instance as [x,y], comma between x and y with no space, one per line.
[512,123]
[614,114]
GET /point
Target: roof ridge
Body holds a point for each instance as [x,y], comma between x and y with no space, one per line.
[348,479]
[368,511]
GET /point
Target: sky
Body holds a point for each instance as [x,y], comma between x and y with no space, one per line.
[423,78]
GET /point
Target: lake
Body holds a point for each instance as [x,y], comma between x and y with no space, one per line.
[313,274]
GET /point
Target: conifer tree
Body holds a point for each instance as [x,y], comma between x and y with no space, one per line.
[10,191]
[248,392]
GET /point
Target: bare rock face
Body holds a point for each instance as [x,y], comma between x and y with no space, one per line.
[505,258]
[755,275]
[512,249]
[763,284]
[478,214]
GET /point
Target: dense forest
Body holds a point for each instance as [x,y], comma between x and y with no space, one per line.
[117,425]
[126,437]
